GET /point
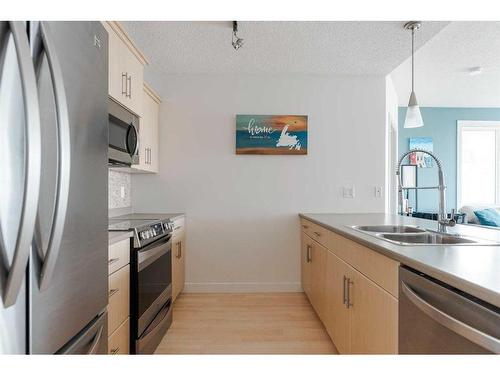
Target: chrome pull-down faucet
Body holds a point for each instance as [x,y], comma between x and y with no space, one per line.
[443,221]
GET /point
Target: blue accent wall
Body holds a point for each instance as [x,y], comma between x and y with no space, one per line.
[441,125]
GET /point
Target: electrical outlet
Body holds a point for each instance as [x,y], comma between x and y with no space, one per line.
[378,191]
[348,192]
[122,192]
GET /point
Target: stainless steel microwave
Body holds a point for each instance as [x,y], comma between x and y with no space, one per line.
[123,132]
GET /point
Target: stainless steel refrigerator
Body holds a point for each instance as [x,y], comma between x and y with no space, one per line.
[53,187]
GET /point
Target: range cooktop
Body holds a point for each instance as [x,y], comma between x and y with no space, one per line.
[129,224]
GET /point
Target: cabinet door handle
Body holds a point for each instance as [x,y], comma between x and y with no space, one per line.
[124,86]
[149,155]
[114,351]
[112,261]
[309,254]
[349,283]
[344,294]
[179,250]
[129,80]
[112,292]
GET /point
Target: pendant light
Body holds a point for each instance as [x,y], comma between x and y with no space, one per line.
[413,116]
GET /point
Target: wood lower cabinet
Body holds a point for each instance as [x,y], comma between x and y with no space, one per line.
[313,273]
[338,320]
[119,297]
[178,256]
[306,265]
[119,341]
[360,316]
[374,317]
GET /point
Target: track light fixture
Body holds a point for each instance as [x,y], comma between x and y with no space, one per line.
[236,41]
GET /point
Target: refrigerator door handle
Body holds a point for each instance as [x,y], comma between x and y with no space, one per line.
[64,159]
[96,341]
[15,275]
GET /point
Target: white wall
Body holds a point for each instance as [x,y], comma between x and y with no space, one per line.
[392,153]
[242,223]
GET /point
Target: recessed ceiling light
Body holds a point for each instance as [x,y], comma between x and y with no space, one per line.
[475,71]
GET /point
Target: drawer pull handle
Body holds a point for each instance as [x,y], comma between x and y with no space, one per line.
[112,261]
[305,226]
[317,234]
[349,283]
[112,292]
[179,250]
[115,351]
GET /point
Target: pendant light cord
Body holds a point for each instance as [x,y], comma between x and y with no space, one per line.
[412,60]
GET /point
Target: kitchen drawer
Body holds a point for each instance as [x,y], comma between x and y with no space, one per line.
[119,294]
[118,255]
[119,341]
[316,232]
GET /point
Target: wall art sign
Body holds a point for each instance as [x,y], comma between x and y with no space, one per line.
[418,158]
[271,134]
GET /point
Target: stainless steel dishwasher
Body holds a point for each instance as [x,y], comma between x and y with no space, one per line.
[435,318]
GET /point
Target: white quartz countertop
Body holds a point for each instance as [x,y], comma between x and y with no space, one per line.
[473,269]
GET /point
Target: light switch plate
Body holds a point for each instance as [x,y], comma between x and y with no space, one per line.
[378,191]
[348,192]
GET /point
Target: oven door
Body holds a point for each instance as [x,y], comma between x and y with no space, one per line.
[123,133]
[154,283]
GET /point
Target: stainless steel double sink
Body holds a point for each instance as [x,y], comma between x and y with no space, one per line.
[414,235]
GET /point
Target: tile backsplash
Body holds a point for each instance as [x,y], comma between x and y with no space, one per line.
[118,181]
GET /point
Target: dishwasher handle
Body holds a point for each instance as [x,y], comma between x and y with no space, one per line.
[470,333]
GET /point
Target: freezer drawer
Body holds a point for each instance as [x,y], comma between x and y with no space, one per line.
[92,340]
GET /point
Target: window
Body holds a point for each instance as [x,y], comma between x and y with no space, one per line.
[478,152]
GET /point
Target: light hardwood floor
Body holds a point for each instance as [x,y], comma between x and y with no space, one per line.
[258,323]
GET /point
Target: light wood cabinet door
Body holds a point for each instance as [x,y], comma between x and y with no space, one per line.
[305,268]
[178,266]
[119,296]
[374,317]
[119,341]
[337,319]
[318,278]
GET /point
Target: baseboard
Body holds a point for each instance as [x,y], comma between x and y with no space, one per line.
[241,287]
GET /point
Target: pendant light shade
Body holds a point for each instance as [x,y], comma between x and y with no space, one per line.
[413,116]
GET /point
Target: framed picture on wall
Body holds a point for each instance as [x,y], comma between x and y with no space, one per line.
[419,158]
[271,134]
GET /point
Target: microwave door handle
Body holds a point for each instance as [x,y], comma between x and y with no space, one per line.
[31,190]
[460,328]
[64,158]
[131,128]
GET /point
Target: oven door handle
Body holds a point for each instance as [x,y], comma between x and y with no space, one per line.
[146,257]
[155,325]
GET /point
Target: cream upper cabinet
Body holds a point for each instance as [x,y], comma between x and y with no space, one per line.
[126,68]
[148,132]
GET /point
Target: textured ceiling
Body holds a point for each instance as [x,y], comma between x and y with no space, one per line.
[276,47]
[442,68]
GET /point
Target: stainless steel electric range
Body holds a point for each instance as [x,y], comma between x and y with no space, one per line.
[150,279]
